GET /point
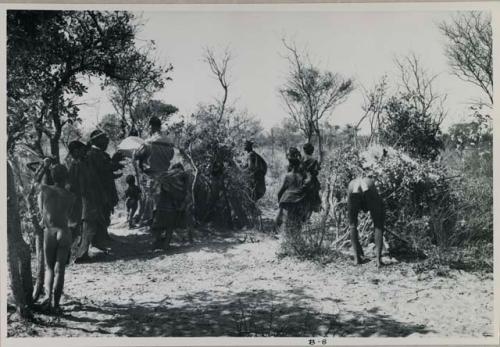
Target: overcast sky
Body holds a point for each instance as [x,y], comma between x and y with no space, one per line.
[361,45]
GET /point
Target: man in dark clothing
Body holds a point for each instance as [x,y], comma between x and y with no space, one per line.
[88,219]
[257,169]
[104,167]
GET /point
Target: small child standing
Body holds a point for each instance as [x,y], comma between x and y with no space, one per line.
[133,195]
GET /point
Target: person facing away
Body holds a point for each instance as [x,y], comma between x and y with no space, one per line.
[158,150]
[311,168]
[104,168]
[154,158]
[56,204]
[362,195]
[291,194]
[133,195]
[257,169]
[172,203]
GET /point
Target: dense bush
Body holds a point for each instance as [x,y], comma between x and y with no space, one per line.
[419,197]
[410,129]
[212,149]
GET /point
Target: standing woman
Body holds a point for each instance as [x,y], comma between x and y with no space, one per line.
[291,196]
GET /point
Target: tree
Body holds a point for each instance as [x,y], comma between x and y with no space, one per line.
[219,67]
[145,76]
[48,52]
[470,49]
[417,86]
[111,125]
[405,127]
[412,117]
[143,111]
[374,101]
[310,94]
[19,255]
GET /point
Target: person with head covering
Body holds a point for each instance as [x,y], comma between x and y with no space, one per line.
[291,195]
[99,195]
[256,168]
[154,160]
[311,167]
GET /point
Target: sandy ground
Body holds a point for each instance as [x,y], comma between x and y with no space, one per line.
[221,286]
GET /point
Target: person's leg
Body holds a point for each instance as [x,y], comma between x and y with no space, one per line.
[133,209]
[50,252]
[353,210]
[377,214]
[60,266]
[88,232]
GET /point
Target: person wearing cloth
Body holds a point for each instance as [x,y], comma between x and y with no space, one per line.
[104,168]
[133,195]
[154,159]
[170,212]
[257,169]
[291,196]
[311,167]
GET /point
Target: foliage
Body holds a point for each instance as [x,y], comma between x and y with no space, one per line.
[47,53]
[213,148]
[143,111]
[405,127]
[310,94]
[470,48]
[474,134]
[144,77]
[111,125]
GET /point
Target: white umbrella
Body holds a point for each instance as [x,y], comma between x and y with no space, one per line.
[129,145]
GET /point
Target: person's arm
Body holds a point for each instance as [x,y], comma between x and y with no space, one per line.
[283,188]
[141,155]
[42,170]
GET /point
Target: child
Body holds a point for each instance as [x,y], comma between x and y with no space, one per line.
[311,168]
[56,205]
[133,195]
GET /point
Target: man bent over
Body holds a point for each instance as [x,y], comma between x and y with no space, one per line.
[363,195]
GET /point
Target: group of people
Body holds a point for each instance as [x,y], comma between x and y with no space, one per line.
[299,194]
[79,199]
[299,197]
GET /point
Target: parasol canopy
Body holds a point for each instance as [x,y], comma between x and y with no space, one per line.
[129,145]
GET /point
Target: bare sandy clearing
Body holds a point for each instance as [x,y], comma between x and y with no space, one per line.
[220,286]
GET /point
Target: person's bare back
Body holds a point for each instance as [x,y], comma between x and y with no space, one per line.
[56,204]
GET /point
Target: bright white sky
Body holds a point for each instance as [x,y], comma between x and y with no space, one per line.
[361,45]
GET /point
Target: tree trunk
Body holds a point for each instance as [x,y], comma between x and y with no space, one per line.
[19,256]
[320,144]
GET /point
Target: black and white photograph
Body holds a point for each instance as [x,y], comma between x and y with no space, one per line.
[315,172]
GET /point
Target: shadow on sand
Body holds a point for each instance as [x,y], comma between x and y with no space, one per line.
[249,313]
